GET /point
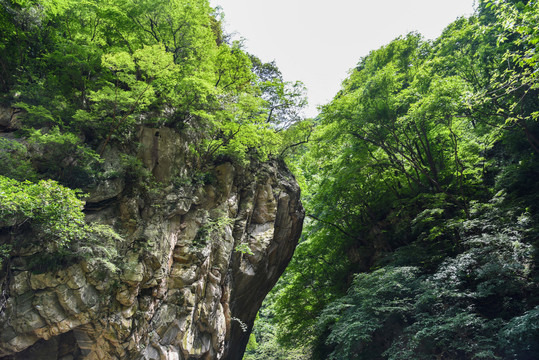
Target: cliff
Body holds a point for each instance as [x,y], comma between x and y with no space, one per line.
[197,260]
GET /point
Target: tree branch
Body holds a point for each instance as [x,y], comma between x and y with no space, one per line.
[333,225]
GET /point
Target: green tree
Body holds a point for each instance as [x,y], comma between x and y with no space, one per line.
[420,136]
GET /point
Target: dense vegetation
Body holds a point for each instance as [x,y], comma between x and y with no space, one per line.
[419,178]
[421,188]
[78,78]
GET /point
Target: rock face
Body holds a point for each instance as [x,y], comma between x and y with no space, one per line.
[197,262]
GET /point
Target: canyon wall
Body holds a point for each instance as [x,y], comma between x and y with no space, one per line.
[197,260]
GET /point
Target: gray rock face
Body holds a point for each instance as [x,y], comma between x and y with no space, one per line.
[184,290]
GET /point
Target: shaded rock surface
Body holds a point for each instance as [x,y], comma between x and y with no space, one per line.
[183,291]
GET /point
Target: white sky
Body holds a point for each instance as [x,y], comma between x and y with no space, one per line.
[318,41]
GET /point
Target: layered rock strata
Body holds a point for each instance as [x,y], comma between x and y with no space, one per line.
[197,262]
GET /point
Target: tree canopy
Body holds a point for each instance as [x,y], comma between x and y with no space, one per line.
[97,69]
[418,187]
[82,77]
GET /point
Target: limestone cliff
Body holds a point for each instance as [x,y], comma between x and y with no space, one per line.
[184,289]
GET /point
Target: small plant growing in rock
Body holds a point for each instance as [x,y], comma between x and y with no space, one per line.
[244,249]
[215,228]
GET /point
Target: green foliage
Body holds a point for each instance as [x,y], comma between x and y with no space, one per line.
[98,70]
[519,335]
[15,161]
[5,251]
[283,99]
[418,178]
[418,183]
[47,207]
[294,140]
[457,312]
[133,169]
[84,77]
[263,343]
[244,249]
[63,156]
[377,304]
[53,213]
[100,247]
[513,89]
[211,228]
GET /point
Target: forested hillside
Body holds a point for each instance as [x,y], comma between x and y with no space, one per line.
[421,187]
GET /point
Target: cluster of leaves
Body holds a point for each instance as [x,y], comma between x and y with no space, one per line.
[464,310]
[409,248]
[51,209]
[212,227]
[263,341]
[53,214]
[16,161]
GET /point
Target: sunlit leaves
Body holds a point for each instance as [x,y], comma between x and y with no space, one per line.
[54,210]
[233,67]
[420,134]
[284,101]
